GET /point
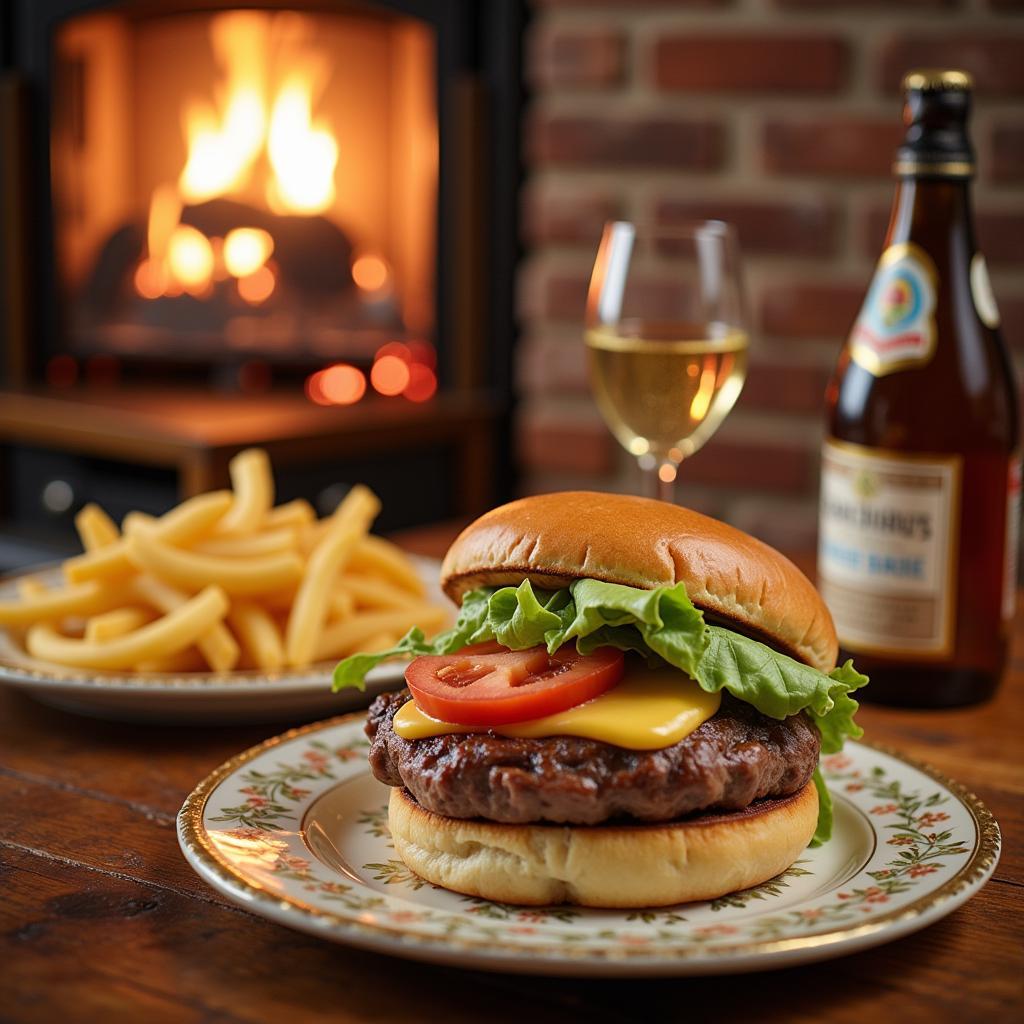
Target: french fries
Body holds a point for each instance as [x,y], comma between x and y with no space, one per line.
[258,631]
[348,525]
[216,645]
[191,520]
[95,528]
[191,570]
[167,635]
[377,556]
[52,605]
[254,492]
[348,636]
[116,623]
[223,581]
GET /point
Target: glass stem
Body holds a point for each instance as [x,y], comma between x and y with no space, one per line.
[665,481]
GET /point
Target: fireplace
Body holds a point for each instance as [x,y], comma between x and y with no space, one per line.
[304,209]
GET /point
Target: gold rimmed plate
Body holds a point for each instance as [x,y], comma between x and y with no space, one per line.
[295,830]
[192,697]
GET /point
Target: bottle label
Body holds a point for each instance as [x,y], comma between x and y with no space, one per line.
[895,329]
[887,548]
[981,292]
[1013,485]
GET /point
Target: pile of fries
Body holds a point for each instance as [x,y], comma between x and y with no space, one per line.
[224,581]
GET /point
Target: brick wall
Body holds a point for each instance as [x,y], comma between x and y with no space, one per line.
[781,116]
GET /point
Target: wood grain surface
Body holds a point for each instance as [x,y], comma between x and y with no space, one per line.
[101,919]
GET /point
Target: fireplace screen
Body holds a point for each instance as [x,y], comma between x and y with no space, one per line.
[245,184]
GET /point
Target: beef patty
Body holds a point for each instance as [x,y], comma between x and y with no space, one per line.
[737,756]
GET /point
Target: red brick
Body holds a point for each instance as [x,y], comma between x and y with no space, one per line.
[563,295]
[1000,233]
[632,3]
[625,141]
[567,216]
[837,145]
[701,62]
[1007,160]
[779,386]
[565,57]
[832,5]
[810,310]
[1001,236]
[995,61]
[873,224]
[777,227]
[778,468]
[552,366]
[547,441]
[559,294]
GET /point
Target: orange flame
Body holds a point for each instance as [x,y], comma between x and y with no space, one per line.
[302,154]
[257,132]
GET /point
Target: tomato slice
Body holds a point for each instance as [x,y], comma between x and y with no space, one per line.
[487,684]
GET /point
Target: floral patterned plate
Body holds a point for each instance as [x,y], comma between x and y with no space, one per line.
[192,697]
[295,830]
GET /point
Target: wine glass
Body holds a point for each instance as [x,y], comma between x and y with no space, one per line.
[666,339]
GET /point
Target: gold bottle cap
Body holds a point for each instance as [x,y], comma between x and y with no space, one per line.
[937,79]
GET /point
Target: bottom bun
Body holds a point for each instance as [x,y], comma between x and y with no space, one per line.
[605,865]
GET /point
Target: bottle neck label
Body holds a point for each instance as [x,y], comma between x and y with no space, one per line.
[895,329]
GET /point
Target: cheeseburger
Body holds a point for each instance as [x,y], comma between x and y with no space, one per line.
[628,712]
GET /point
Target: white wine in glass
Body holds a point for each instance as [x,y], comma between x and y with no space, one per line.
[666,340]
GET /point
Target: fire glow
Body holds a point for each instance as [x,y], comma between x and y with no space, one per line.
[398,369]
[258,140]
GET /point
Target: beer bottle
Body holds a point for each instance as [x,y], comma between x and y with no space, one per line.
[921,470]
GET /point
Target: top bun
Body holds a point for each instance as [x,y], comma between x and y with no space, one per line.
[553,539]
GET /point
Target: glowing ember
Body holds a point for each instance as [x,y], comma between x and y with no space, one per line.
[422,384]
[190,258]
[258,286]
[390,375]
[149,279]
[246,250]
[340,384]
[61,371]
[370,273]
[423,352]
[394,348]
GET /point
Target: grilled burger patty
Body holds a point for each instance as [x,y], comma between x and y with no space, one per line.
[734,758]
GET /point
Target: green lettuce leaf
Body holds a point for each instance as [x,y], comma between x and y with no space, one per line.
[823,830]
[780,686]
[470,627]
[662,625]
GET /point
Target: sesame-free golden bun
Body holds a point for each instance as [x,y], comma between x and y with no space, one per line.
[621,866]
[554,539]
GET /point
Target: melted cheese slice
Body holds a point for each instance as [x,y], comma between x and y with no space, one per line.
[649,709]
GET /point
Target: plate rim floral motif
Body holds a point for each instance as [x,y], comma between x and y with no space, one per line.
[494,954]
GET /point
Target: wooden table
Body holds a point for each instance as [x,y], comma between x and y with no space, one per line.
[102,920]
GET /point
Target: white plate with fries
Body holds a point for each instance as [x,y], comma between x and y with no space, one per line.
[225,609]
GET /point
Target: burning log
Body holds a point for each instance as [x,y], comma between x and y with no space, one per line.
[314,255]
